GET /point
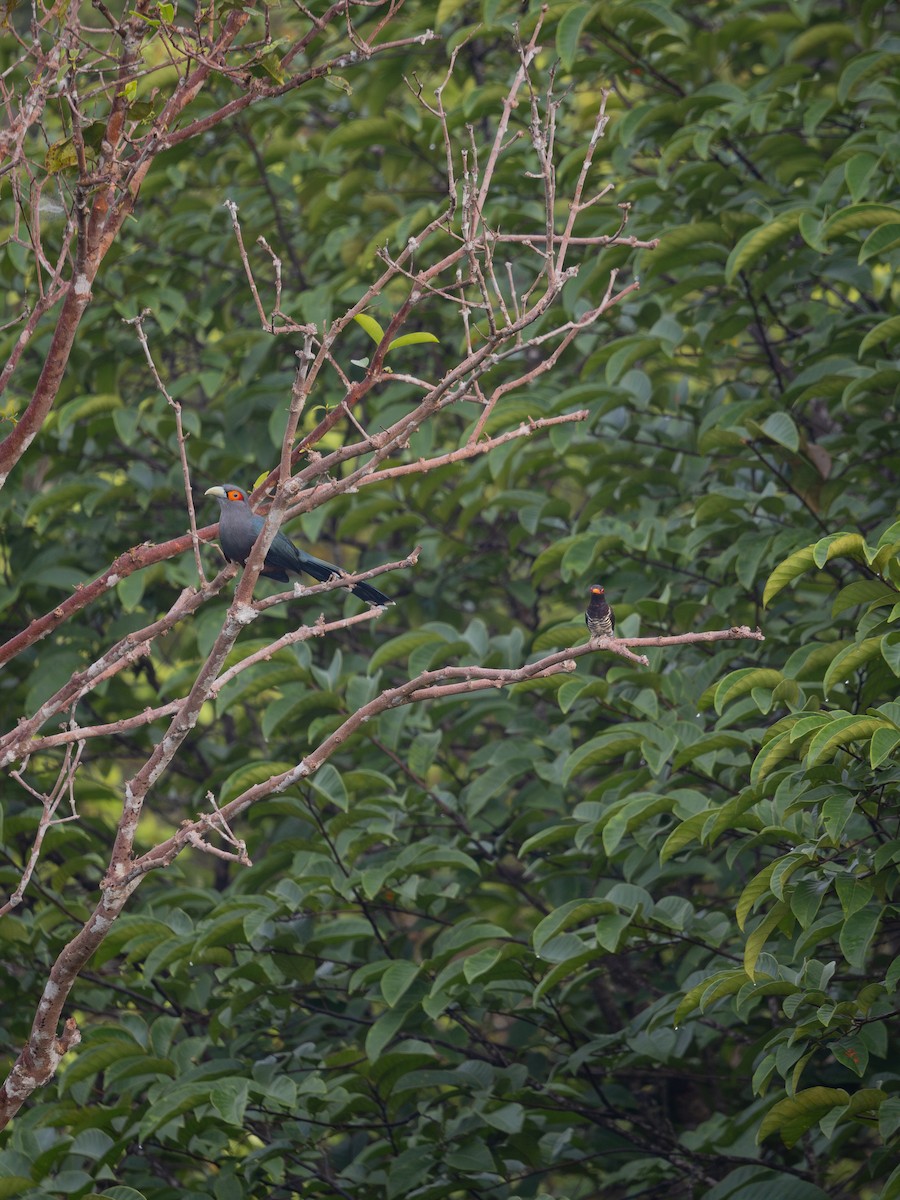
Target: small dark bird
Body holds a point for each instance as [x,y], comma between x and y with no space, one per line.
[239,528]
[599,617]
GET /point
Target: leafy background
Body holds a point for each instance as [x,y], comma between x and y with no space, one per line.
[630,933]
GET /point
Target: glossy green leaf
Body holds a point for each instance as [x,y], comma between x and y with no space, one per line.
[793,1116]
[757,241]
[371,326]
[841,732]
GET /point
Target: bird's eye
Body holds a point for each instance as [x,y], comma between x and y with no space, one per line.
[234,494]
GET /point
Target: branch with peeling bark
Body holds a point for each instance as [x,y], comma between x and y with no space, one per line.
[104,193]
[39,1058]
[504,357]
[320,629]
[433,685]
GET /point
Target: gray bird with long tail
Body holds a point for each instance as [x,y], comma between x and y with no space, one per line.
[239,528]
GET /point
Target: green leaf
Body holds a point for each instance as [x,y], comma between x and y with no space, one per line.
[482,962]
[83,407]
[599,750]
[328,783]
[882,745]
[568,32]
[229,1098]
[815,37]
[863,591]
[408,339]
[853,1053]
[568,966]
[793,1116]
[740,682]
[685,833]
[891,1189]
[181,1098]
[764,1183]
[94,1058]
[383,1031]
[780,427]
[574,912]
[396,980]
[856,935]
[704,994]
[249,776]
[60,156]
[835,544]
[858,70]
[796,564]
[840,732]
[889,1117]
[371,326]
[880,243]
[849,660]
[402,646]
[860,216]
[760,936]
[771,756]
[884,331]
[757,241]
[757,887]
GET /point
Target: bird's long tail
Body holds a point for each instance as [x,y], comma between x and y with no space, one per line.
[322,570]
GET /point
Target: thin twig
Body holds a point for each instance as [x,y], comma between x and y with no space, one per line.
[138,323]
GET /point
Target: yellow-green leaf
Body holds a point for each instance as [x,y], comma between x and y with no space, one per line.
[834,544]
[863,591]
[408,339]
[738,683]
[60,155]
[755,243]
[795,564]
[860,216]
[883,743]
[849,660]
[402,646]
[685,833]
[770,756]
[704,994]
[884,239]
[569,30]
[755,889]
[793,1116]
[884,331]
[760,934]
[371,326]
[826,743]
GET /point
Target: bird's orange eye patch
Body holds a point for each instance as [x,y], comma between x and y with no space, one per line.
[234,494]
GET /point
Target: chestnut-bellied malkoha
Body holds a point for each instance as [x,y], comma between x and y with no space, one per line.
[239,528]
[599,616]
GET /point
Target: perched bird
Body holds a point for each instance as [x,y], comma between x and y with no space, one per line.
[599,617]
[239,528]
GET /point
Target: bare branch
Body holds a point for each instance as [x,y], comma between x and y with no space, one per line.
[137,322]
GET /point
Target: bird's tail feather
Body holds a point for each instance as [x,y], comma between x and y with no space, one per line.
[322,570]
[318,567]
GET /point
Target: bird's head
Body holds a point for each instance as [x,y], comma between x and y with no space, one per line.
[227,493]
[597,592]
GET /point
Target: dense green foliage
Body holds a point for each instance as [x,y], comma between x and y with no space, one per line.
[626,932]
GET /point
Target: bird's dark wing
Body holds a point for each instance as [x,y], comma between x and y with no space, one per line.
[283,556]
